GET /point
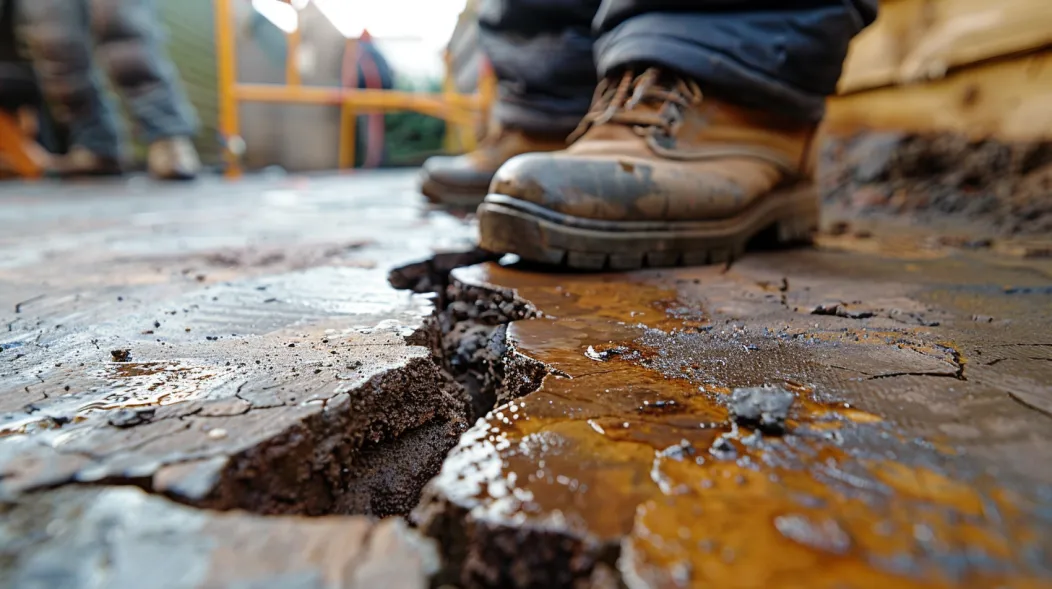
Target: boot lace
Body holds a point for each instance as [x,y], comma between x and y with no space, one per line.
[618,102]
[669,96]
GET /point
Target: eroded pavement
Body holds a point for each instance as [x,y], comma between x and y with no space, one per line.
[872,412]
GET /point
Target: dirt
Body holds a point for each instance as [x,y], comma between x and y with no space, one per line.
[474,350]
[121,355]
[1007,187]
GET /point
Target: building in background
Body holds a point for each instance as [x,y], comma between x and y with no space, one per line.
[300,137]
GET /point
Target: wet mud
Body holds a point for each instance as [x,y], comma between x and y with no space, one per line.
[704,428]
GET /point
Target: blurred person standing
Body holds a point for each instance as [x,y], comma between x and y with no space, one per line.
[64,38]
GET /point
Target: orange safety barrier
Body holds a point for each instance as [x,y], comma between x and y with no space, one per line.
[455,109]
[20,153]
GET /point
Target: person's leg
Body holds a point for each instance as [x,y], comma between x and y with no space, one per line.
[783,56]
[699,139]
[129,45]
[56,33]
[541,52]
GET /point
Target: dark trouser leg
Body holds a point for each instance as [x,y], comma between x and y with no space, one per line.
[59,41]
[129,46]
[781,56]
[541,51]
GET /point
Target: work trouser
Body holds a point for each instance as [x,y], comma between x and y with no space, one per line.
[783,55]
[63,37]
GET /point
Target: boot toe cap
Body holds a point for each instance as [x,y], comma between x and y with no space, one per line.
[590,187]
[455,171]
[618,188]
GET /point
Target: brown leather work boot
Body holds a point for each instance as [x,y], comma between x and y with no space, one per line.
[464,180]
[658,176]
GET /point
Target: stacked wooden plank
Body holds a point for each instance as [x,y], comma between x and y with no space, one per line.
[978,68]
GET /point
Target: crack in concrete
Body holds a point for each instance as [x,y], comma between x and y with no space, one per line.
[898,374]
[1020,400]
[29,301]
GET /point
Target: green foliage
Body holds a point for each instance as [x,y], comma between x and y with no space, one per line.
[410,137]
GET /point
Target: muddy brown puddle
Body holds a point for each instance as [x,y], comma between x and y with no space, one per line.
[628,448]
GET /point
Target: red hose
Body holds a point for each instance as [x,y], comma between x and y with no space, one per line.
[349,79]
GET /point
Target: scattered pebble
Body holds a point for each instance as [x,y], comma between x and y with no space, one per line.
[763,407]
[217,433]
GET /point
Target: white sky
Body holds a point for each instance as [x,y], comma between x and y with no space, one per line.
[431,22]
[410,33]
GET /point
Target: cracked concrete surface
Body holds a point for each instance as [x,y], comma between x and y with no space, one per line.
[186,375]
[224,346]
[224,377]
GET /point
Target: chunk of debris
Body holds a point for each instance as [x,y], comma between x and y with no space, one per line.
[604,354]
[826,534]
[764,407]
[965,242]
[123,355]
[841,310]
[130,417]
[723,449]
[839,228]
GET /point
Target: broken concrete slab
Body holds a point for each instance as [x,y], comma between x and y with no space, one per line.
[264,361]
[907,461]
[124,538]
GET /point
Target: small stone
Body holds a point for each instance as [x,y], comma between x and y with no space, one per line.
[764,407]
[723,449]
[217,433]
[839,228]
[825,535]
[120,355]
[130,417]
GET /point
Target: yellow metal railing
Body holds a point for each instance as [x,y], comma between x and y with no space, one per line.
[458,110]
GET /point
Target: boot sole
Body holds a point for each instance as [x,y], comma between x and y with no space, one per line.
[455,196]
[508,225]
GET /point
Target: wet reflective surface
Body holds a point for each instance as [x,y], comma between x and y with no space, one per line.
[189,338]
[628,445]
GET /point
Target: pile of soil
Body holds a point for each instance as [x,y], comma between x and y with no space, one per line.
[927,177]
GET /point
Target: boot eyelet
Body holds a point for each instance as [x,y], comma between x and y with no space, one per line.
[662,139]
